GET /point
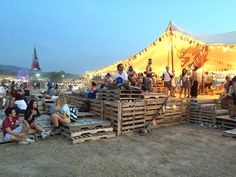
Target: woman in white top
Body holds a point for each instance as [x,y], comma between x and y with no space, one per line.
[20,104]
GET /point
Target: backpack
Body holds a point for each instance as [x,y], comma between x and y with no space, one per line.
[73,113]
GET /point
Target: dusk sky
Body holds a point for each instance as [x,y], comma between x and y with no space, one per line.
[82,35]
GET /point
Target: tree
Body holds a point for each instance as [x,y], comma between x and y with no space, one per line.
[56,76]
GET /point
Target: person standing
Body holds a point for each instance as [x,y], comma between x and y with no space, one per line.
[167,77]
[184,83]
[149,73]
[194,83]
[207,83]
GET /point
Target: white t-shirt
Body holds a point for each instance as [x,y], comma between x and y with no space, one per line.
[167,76]
[120,78]
[65,108]
[21,104]
[2,90]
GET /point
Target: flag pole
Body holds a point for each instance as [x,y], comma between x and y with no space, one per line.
[172,54]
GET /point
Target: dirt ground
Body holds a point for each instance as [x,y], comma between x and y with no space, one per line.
[181,150]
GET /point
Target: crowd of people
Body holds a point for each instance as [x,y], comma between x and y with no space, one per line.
[22,109]
[187,82]
[14,99]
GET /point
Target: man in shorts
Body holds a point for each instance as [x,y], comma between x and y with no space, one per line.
[11,132]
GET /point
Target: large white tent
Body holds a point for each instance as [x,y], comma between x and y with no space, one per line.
[177,48]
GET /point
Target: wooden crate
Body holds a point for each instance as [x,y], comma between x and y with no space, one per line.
[152,106]
[125,116]
[119,94]
[74,99]
[88,129]
[202,112]
[230,133]
[171,112]
[96,107]
[83,115]
[225,122]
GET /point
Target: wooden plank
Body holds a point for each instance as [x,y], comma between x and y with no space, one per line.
[93,137]
[72,134]
[230,133]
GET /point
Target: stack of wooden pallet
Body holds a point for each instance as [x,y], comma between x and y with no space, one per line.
[74,99]
[125,116]
[96,107]
[154,102]
[47,105]
[119,94]
[225,122]
[230,133]
[202,112]
[84,115]
[88,129]
[173,111]
[184,109]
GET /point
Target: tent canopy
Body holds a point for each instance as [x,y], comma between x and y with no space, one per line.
[214,53]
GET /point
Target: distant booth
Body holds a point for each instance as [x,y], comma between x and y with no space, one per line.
[23,74]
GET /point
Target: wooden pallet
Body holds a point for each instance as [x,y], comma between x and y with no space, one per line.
[230,133]
[125,116]
[152,95]
[89,123]
[93,137]
[71,134]
[96,107]
[225,122]
[83,115]
[118,94]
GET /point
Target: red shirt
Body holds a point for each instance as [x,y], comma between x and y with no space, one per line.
[7,123]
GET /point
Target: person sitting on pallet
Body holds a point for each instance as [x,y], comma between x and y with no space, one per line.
[132,76]
[31,115]
[224,97]
[60,114]
[120,76]
[20,104]
[108,79]
[92,91]
[13,133]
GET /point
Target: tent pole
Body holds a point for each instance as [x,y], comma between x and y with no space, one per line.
[168,57]
[172,55]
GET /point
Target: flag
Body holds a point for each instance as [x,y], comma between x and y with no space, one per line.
[35,62]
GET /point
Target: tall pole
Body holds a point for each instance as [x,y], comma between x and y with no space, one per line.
[172,54]
[168,57]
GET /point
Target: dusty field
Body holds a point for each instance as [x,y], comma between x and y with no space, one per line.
[173,151]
